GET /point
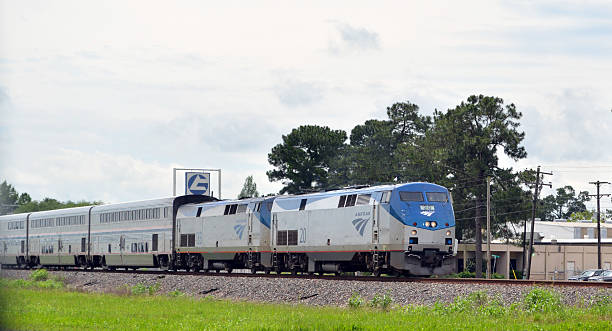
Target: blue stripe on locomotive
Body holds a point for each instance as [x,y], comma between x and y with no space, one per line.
[265,214]
[409,212]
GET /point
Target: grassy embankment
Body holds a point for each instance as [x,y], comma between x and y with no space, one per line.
[43,304]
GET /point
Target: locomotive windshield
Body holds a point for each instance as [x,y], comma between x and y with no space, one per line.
[411,196]
[437,197]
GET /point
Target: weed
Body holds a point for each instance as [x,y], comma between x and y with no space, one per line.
[386,301]
[50,284]
[39,275]
[140,289]
[478,298]
[381,301]
[28,283]
[542,300]
[602,304]
[355,301]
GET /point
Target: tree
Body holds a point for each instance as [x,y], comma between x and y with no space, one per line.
[303,159]
[563,204]
[24,198]
[583,215]
[249,189]
[8,198]
[382,151]
[468,138]
[13,202]
[366,160]
[52,204]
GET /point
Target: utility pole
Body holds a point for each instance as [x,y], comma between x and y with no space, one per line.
[598,183]
[533,214]
[488,227]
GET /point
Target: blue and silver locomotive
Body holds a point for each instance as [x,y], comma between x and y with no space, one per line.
[401,229]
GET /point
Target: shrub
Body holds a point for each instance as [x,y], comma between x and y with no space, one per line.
[385,304]
[39,275]
[542,300]
[140,289]
[466,274]
[381,301]
[355,301]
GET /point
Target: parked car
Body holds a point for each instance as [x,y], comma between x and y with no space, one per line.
[586,274]
[605,276]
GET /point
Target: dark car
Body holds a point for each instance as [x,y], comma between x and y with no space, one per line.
[605,276]
[586,274]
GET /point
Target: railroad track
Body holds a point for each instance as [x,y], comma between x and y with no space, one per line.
[236,273]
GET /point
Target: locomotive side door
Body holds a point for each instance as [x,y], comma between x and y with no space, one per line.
[377,214]
[251,215]
[274,230]
[375,222]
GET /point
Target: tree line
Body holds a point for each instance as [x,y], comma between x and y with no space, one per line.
[11,202]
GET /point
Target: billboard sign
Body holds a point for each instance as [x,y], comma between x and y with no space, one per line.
[197,183]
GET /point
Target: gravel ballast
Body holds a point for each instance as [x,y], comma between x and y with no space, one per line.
[303,291]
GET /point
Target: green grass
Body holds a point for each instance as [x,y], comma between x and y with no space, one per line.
[35,308]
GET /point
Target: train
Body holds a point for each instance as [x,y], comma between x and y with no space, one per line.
[400,229]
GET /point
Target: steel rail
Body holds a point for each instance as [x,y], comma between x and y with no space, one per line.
[480,281]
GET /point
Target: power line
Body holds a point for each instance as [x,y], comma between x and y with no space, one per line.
[501,214]
[495,206]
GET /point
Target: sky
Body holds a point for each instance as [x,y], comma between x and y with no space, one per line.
[100,100]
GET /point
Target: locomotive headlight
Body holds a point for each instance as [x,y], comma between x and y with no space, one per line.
[448,232]
[413,232]
[428,224]
[434,224]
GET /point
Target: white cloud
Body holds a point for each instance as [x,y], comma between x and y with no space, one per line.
[353,39]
